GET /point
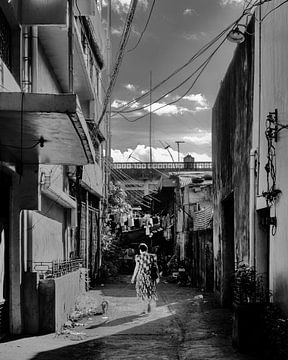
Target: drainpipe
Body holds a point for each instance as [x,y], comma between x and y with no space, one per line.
[252,205]
[26,78]
[70,46]
[34,59]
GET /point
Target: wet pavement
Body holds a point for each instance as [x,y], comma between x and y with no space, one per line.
[186,324]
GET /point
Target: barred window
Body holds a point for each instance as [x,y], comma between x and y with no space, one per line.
[5,40]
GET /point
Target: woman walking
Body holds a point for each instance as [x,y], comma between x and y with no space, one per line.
[146,273]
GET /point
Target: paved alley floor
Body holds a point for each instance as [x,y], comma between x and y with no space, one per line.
[185,324]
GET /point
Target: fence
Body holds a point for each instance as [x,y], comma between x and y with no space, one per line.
[54,269]
[197,166]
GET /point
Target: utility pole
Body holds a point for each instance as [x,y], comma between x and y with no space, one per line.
[178,148]
[108,112]
[150,122]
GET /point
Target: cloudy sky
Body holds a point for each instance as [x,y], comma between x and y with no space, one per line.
[177,30]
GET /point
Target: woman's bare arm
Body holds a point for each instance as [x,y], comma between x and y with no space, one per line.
[135,272]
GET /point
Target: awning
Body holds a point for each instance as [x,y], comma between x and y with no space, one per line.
[43,129]
[60,197]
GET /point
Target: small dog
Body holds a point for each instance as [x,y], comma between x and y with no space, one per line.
[105,306]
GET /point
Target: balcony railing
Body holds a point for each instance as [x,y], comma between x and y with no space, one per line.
[171,166]
[54,269]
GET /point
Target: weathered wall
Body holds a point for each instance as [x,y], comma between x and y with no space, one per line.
[231,143]
[44,238]
[92,177]
[57,299]
[271,65]
[199,250]
[47,82]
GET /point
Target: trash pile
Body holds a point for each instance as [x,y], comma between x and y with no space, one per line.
[86,307]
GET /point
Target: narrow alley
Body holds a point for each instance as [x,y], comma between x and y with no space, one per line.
[185,324]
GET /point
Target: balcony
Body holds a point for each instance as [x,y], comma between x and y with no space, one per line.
[88,54]
[44,129]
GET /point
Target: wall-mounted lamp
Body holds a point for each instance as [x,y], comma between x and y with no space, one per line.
[236,35]
[45,179]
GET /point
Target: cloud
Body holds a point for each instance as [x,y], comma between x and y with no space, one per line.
[231,2]
[194,36]
[168,109]
[190,36]
[142,154]
[130,87]
[116,31]
[190,12]
[200,137]
[200,100]
[122,6]
[119,30]
[116,104]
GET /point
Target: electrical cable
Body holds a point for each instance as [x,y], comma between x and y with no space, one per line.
[203,66]
[145,27]
[120,178]
[277,7]
[195,56]
[22,147]
[119,58]
[131,182]
[127,179]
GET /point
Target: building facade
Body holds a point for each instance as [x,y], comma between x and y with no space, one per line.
[250,158]
[51,67]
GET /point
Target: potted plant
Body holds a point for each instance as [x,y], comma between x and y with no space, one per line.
[250,297]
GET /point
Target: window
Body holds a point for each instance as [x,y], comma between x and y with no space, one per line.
[5,40]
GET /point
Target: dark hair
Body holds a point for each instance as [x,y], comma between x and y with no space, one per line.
[143,247]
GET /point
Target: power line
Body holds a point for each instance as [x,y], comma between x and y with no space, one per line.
[120,54]
[145,27]
[201,68]
[269,12]
[194,57]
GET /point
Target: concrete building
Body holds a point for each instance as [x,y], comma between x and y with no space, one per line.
[52,58]
[140,179]
[250,157]
[185,202]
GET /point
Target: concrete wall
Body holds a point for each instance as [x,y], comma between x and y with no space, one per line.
[231,143]
[92,177]
[57,298]
[47,82]
[24,195]
[45,238]
[271,88]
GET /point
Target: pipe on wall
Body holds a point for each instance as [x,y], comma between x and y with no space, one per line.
[252,205]
[34,59]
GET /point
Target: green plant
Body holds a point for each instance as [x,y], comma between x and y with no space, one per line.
[276,329]
[249,286]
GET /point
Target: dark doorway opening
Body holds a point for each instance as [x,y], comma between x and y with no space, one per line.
[4,256]
[228,256]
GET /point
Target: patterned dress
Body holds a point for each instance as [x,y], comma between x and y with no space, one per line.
[145,286]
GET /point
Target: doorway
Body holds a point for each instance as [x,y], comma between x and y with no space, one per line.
[262,251]
[228,257]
